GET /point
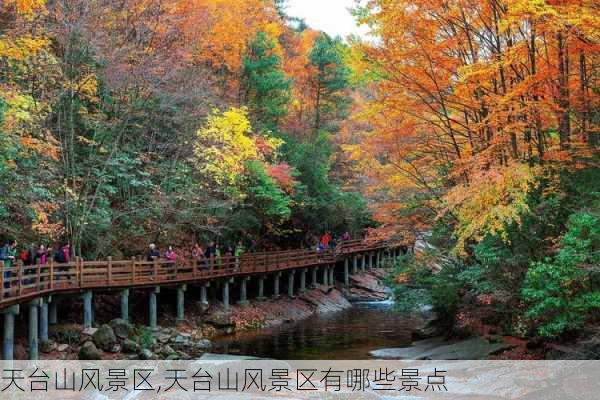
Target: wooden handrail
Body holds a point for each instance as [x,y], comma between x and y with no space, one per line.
[19,282]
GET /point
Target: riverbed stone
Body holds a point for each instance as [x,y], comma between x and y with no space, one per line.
[89,351]
[220,319]
[146,354]
[476,348]
[122,328]
[104,338]
[129,346]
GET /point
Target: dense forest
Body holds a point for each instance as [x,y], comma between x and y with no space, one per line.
[129,122]
[481,146]
[468,130]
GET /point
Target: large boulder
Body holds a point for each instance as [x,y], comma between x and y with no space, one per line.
[122,328]
[104,338]
[129,346]
[220,319]
[89,351]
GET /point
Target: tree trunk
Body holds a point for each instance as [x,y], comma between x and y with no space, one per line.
[564,125]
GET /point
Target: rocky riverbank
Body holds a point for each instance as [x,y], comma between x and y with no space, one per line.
[190,338]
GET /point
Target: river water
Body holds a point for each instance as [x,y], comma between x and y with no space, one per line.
[346,335]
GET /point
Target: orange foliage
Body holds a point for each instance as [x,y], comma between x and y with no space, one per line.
[462,91]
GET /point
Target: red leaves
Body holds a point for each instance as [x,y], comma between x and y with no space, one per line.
[283,176]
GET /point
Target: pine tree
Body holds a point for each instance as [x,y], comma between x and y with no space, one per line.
[330,82]
[266,88]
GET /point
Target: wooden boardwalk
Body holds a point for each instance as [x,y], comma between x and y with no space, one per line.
[35,289]
[21,283]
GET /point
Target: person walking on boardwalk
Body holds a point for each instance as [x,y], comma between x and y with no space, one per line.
[170,254]
[153,253]
[325,239]
[239,249]
[41,255]
[8,255]
[210,254]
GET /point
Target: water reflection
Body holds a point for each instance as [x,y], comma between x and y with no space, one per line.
[349,334]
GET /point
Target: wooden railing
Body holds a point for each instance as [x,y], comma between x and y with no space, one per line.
[20,282]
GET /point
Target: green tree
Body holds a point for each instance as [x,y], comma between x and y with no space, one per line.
[266,88]
[565,292]
[330,82]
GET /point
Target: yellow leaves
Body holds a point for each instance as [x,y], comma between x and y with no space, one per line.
[20,109]
[88,87]
[23,47]
[27,7]
[492,201]
[226,143]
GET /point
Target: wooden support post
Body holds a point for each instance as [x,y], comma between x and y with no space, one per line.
[243,290]
[261,287]
[181,302]
[152,309]
[8,340]
[303,280]
[291,283]
[43,319]
[276,284]
[33,329]
[226,293]
[88,318]
[346,272]
[204,294]
[125,304]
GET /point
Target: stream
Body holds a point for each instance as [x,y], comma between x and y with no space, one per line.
[346,335]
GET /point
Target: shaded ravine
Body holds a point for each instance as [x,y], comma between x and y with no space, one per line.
[347,334]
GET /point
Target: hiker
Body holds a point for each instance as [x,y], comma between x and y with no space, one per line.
[239,249]
[41,255]
[59,256]
[66,250]
[210,254]
[325,239]
[153,253]
[345,236]
[170,254]
[197,252]
[28,256]
[198,256]
[8,254]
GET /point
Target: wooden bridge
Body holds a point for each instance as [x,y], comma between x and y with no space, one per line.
[39,286]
